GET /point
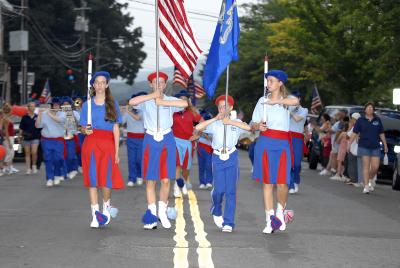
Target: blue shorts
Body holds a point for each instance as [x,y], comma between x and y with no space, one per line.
[30,142]
[362,151]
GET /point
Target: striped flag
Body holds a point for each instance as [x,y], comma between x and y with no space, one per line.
[200,91]
[315,101]
[176,36]
[179,79]
[45,97]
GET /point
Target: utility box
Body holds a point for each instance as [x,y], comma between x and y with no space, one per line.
[19,41]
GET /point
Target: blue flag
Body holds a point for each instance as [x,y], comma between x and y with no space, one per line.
[224,47]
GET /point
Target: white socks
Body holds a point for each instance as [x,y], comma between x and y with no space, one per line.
[153,209]
[279,214]
[106,210]
[162,215]
[268,227]
[94,223]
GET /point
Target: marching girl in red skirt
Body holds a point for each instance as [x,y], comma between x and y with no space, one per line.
[101,147]
[273,155]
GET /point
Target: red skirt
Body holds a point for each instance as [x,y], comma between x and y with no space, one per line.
[98,161]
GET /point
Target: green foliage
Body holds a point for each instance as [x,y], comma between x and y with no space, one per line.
[349,49]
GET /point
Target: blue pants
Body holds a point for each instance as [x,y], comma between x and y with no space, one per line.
[298,156]
[71,163]
[251,152]
[135,146]
[81,138]
[226,175]
[53,154]
[205,166]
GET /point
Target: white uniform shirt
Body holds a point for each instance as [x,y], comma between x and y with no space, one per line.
[204,140]
[278,117]
[149,109]
[298,126]
[216,129]
[51,128]
[132,125]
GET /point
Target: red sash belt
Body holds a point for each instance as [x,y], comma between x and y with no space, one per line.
[281,135]
[77,145]
[135,135]
[206,147]
[296,135]
[58,139]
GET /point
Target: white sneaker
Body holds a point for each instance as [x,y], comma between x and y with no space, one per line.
[296,187]
[150,226]
[366,190]
[57,180]
[333,170]
[227,229]
[209,186]
[72,174]
[1,173]
[292,191]
[106,212]
[358,185]
[49,183]
[80,170]
[94,223]
[177,191]
[345,179]
[371,185]
[184,190]
[14,170]
[130,184]
[202,186]
[28,171]
[324,172]
[34,169]
[281,217]
[335,178]
[162,215]
[139,181]
[268,228]
[218,220]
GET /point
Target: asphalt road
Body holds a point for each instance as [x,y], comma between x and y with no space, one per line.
[335,225]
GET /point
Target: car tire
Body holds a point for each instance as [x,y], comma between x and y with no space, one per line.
[396,180]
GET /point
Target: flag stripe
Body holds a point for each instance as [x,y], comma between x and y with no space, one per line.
[176,36]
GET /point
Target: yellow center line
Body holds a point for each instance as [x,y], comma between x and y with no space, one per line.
[204,250]
[181,249]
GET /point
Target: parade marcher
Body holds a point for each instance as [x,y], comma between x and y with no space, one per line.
[298,117]
[369,130]
[182,128]
[71,139]
[225,171]
[30,137]
[273,161]
[204,157]
[51,121]
[134,142]
[100,150]
[159,148]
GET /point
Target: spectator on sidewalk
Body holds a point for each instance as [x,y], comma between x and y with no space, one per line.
[9,142]
[30,136]
[369,129]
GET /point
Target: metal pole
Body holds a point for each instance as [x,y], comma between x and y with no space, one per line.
[157,61]
[226,106]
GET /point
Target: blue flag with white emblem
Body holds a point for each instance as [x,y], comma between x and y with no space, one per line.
[224,47]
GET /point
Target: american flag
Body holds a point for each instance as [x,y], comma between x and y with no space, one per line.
[315,101]
[45,97]
[179,79]
[176,36]
[195,89]
[200,91]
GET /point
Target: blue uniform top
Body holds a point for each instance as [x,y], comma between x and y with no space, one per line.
[216,129]
[132,125]
[149,109]
[51,128]
[298,126]
[98,116]
[369,132]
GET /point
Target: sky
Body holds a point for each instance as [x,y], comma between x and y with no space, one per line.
[203,26]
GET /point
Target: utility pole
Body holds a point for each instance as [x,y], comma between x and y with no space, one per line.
[97,55]
[24,61]
[82,25]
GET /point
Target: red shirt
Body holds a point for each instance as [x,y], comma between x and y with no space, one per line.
[11,129]
[183,124]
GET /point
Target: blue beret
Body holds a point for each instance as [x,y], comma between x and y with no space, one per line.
[55,100]
[182,93]
[100,73]
[296,94]
[66,99]
[278,74]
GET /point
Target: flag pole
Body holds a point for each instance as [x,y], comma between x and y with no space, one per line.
[224,151]
[89,97]
[157,135]
[265,88]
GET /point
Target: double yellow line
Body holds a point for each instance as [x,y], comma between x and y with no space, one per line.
[181,250]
